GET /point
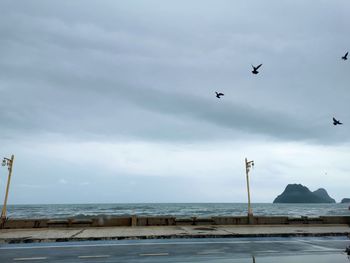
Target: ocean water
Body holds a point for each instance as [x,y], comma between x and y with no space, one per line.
[179,210]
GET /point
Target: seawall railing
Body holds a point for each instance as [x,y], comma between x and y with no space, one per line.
[134,221]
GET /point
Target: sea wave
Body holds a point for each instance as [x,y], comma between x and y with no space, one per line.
[176,210]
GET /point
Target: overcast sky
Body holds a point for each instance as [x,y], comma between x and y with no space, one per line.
[114,101]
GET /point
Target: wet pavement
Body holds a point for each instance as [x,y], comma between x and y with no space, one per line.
[282,250]
[152,232]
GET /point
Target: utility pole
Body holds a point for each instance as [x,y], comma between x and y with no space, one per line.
[249,165]
[9,163]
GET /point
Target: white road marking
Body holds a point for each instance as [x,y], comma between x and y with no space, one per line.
[169,243]
[328,250]
[27,259]
[154,254]
[210,252]
[296,241]
[319,247]
[95,256]
[315,246]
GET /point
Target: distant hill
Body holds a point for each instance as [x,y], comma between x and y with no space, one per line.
[345,200]
[297,193]
[322,193]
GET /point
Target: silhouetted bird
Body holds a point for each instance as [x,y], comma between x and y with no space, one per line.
[336,122]
[255,69]
[218,95]
[345,56]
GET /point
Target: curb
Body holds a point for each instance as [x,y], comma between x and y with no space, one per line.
[75,239]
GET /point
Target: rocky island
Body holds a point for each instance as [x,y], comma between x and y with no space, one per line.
[345,200]
[297,193]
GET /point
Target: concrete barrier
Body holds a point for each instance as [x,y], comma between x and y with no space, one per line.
[265,220]
[184,221]
[305,220]
[171,221]
[111,221]
[230,220]
[336,219]
[168,221]
[26,223]
[58,223]
[203,221]
[156,221]
[80,222]
[194,221]
[70,223]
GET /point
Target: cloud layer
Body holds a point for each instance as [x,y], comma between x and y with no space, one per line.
[118,74]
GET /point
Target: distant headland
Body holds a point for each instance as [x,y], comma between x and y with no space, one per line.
[297,193]
[345,200]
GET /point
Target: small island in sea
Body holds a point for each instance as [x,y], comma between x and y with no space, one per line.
[297,193]
[345,200]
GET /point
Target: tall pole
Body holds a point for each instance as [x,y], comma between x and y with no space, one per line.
[248,190]
[248,165]
[9,164]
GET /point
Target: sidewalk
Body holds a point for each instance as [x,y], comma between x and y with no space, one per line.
[154,232]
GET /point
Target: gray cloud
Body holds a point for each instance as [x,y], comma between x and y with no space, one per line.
[147,71]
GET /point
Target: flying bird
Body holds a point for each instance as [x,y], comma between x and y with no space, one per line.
[255,69]
[336,122]
[218,95]
[345,56]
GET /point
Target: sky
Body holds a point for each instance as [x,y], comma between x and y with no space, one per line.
[114,101]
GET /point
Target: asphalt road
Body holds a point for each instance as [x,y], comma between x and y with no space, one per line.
[262,250]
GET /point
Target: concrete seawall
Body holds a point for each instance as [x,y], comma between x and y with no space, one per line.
[170,221]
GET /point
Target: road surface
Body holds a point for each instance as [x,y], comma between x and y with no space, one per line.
[221,250]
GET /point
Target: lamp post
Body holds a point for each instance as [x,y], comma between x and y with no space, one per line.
[248,165]
[9,163]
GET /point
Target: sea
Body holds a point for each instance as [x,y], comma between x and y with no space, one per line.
[179,210]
